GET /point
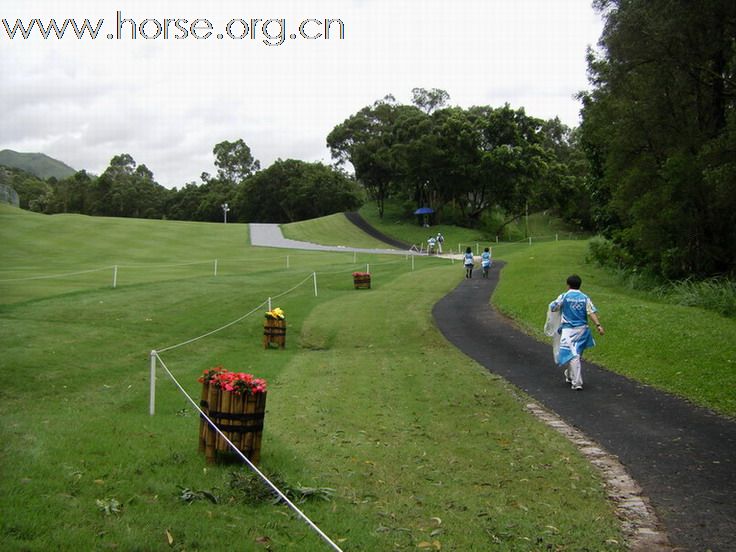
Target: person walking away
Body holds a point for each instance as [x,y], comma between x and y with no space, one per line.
[468,262]
[575,336]
[485,261]
[440,241]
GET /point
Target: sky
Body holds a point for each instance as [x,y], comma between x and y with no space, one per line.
[275,78]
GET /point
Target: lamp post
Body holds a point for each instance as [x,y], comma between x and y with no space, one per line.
[225,209]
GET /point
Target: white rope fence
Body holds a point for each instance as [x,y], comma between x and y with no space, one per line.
[155,357]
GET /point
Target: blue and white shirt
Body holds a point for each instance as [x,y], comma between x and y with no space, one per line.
[576,306]
[485,259]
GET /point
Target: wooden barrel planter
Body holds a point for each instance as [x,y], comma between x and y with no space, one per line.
[274,331]
[239,413]
[362,280]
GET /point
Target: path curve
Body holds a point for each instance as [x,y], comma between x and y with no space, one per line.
[682,456]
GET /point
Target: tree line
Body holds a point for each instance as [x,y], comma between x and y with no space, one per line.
[287,191]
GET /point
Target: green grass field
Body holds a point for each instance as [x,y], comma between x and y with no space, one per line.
[423,448]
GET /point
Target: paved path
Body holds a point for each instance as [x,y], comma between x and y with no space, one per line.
[269,235]
[682,456]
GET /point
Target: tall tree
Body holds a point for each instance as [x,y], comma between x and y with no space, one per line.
[366,140]
[658,126]
[234,161]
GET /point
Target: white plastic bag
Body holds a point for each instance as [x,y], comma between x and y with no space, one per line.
[551,327]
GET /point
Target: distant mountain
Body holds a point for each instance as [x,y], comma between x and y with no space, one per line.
[37,164]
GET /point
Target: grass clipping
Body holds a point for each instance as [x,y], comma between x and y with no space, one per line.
[248,488]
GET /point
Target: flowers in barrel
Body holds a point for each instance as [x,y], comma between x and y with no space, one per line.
[362,280]
[276,314]
[239,383]
[235,403]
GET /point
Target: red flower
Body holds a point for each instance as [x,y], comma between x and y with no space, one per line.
[239,383]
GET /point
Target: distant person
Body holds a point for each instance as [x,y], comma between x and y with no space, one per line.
[430,244]
[485,261]
[575,336]
[440,241]
[468,262]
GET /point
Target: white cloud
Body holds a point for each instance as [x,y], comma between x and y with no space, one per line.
[168,102]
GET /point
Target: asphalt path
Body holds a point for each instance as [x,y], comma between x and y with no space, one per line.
[682,456]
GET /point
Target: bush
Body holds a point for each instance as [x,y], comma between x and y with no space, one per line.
[714,294]
[608,254]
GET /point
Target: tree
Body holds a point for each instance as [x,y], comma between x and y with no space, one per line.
[294,190]
[234,161]
[429,100]
[657,128]
[366,140]
[126,189]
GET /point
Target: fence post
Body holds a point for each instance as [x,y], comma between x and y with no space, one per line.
[412,263]
[114,276]
[287,262]
[152,395]
[215,267]
[530,240]
[269,305]
[367,268]
[314,275]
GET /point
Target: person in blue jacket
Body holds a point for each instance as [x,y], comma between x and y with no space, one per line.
[575,336]
[485,261]
[468,262]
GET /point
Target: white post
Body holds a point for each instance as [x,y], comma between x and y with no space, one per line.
[152,396]
[368,268]
[287,262]
[412,263]
[355,257]
[114,276]
[269,304]
[314,274]
[477,249]
[530,240]
[215,267]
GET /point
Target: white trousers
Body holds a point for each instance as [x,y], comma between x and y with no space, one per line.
[574,371]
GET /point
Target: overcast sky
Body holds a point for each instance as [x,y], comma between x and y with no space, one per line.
[167,101]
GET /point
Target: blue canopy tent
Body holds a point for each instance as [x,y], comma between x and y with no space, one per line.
[424,212]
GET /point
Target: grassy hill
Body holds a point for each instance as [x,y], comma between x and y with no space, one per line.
[37,164]
[423,448]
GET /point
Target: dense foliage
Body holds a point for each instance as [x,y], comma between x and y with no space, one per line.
[463,163]
[294,190]
[659,128]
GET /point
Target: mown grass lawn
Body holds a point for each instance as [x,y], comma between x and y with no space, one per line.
[423,448]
